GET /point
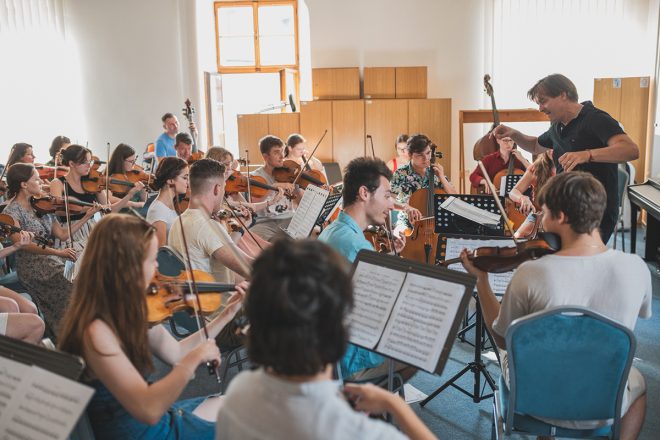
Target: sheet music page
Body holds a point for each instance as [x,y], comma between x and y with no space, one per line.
[422,318]
[11,374]
[375,290]
[470,212]
[498,281]
[308,211]
[43,406]
[503,186]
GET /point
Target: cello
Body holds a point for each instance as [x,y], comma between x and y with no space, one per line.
[516,217]
[487,144]
[422,243]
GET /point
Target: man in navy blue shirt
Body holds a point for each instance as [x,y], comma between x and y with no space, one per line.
[582,138]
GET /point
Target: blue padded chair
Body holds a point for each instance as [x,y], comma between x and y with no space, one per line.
[170,264]
[565,363]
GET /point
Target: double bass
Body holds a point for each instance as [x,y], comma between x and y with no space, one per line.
[188,112]
[516,217]
[487,144]
[422,243]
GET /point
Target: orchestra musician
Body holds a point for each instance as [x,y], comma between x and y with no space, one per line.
[20,153]
[401,158]
[368,200]
[303,313]
[496,162]
[584,272]
[536,175]
[183,146]
[296,150]
[165,142]
[278,210]
[59,143]
[581,136]
[41,269]
[122,160]
[106,324]
[412,176]
[171,180]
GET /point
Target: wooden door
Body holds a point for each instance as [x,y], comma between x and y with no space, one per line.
[348,137]
[283,124]
[251,128]
[634,118]
[607,95]
[385,119]
[315,118]
[432,117]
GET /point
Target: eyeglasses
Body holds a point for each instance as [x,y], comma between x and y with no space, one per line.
[131,161]
[86,162]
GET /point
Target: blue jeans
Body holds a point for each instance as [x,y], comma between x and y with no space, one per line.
[111,421]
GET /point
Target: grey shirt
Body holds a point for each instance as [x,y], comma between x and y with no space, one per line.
[261,406]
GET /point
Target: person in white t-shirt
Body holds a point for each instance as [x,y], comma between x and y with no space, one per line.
[209,245]
[297,333]
[171,180]
[584,272]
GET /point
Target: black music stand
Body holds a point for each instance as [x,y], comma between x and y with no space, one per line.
[448,223]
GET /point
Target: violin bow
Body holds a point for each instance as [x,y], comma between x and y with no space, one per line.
[247,165]
[107,173]
[390,234]
[67,213]
[212,366]
[310,157]
[215,226]
[245,228]
[496,196]
[4,169]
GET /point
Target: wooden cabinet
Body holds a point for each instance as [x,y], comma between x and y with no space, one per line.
[432,117]
[411,82]
[283,124]
[627,101]
[348,133]
[336,83]
[385,119]
[251,128]
[315,118]
[379,82]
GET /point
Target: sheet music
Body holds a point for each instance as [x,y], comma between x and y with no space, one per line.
[43,405]
[503,186]
[424,314]
[498,281]
[470,212]
[375,290]
[11,374]
[308,211]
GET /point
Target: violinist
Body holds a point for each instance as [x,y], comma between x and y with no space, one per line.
[171,180]
[19,317]
[59,143]
[401,158]
[41,270]
[498,161]
[20,153]
[106,324]
[122,160]
[296,150]
[278,211]
[367,201]
[584,272]
[412,176]
[208,251]
[581,137]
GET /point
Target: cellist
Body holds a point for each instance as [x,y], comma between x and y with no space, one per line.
[498,161]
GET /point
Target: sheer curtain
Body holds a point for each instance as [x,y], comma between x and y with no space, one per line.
[40,76]
[582,39]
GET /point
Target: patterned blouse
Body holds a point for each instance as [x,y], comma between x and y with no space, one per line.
[406,181]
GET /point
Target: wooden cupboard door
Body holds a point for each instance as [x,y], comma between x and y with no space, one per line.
[336,83]
[315,118]
[251,128]
[411,82]
[607,95]
[379,82]
[385,120]
[283,124]
[348,137]
[432,117]
[634,117]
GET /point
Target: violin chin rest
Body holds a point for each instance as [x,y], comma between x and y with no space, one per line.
[553,240]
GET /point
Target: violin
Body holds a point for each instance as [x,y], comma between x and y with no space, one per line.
[380,237]
[167,295]
[487,144]
[227,218]
[55,205]
[121,183]
[504,259]
[95,182]
[3,188]
[292,172]
[195,156]
[8,227]
[237,182]
[181,202]
[50,173]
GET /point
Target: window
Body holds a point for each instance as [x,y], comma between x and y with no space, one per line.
[256,36]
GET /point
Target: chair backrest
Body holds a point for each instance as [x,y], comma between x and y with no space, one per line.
[333,172]
[568,363]
[170,263]
[622,182]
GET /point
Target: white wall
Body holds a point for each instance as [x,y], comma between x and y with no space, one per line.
[446,35]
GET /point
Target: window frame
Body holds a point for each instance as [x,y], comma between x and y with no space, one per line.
[255,4]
